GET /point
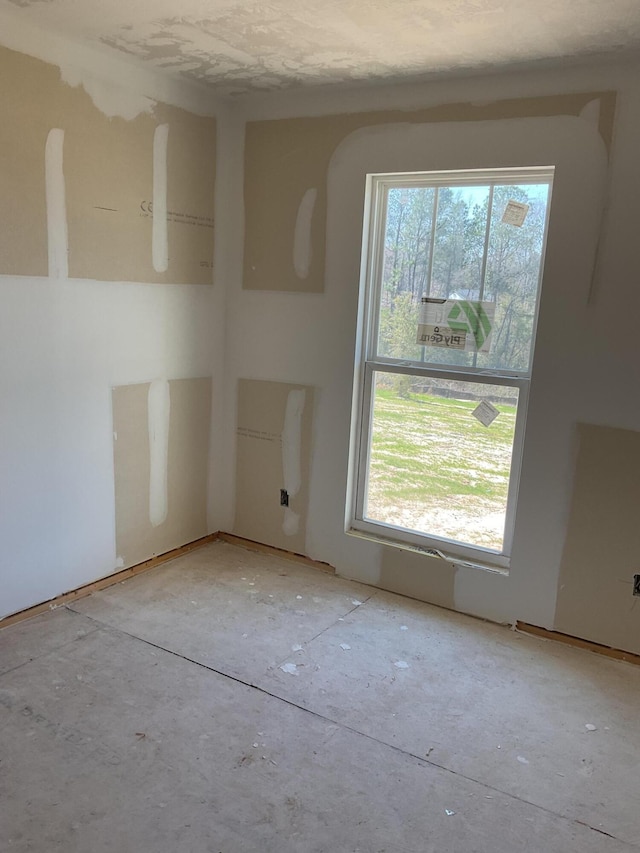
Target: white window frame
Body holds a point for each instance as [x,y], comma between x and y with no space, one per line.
[368,362]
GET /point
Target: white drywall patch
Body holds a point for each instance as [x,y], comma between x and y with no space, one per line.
[291,523]
[159,411]
[302,234]
[160,235]
[591,112]
[57,233]
[291,450]
[110,99]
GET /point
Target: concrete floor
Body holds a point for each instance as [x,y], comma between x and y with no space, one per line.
[230,702]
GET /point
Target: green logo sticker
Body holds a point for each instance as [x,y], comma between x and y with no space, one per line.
[471,317]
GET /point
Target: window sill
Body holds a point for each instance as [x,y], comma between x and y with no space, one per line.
[428,551]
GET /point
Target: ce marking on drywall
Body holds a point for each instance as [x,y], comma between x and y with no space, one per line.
[147,208]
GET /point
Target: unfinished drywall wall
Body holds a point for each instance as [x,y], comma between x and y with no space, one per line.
[312,341]
[400,568]
[80,196]
[602,548]
[161,448]
[273,450]
[286,164]
[585,350]
[84,134]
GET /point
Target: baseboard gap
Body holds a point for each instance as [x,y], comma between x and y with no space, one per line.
[578,643]
[106,582]
[271,550]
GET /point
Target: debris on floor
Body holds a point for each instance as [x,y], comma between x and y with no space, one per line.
[345,646]
[291,668]
[401,664]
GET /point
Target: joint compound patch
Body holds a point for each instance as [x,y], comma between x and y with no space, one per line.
[57,229]
[302,244]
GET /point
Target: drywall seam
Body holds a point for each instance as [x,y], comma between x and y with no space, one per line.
[227,267]
[591,112]
[160,235]
[159,412]
[291,450]
[57,231]
[302,234]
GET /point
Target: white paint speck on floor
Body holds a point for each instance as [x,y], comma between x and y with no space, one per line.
[161,715]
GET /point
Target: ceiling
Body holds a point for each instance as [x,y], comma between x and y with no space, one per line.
[239,46]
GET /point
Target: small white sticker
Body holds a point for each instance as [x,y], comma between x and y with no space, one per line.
[515,213]
[485,412]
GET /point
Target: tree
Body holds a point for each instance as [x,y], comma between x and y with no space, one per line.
[512,266]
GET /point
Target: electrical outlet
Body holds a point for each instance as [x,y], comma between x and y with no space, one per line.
[636,584]
[284,499]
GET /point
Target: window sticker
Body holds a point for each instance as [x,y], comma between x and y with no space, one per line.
[485,412]
[456,324]
[515,213]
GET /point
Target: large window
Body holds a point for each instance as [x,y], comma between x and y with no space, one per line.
[451,287]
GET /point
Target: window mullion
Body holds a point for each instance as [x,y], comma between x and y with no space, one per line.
[487,235]
[485,254]
[480,377]
[434,219]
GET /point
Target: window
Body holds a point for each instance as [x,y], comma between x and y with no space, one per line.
[451,286]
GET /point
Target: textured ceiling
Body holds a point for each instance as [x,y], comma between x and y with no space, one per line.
[248,45]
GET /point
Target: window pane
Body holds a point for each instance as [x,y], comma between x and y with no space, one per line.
[405,269]
[461,226]
[513,271]
[435,468]
[457,306]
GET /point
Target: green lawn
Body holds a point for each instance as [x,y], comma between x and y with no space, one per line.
[434,467]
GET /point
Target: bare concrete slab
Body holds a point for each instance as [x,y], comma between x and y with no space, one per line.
[111,740]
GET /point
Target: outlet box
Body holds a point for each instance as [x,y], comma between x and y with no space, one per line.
[636,584]
[284,500]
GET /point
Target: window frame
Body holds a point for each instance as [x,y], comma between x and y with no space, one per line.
[368,363]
